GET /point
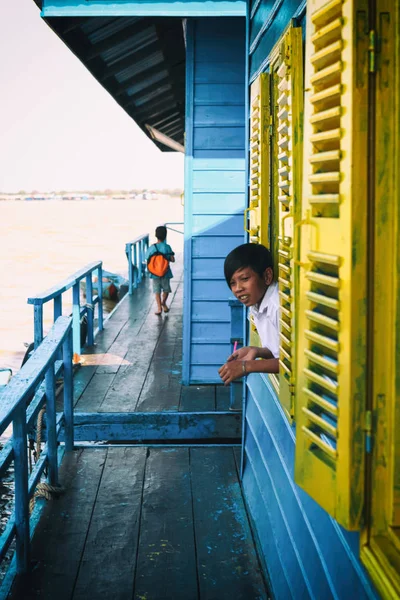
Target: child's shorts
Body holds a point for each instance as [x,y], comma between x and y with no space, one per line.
[161,283]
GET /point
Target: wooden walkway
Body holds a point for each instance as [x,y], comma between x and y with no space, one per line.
[136,364]
[146,524]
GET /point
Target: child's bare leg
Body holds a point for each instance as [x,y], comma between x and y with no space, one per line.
[158,300]
[164,301]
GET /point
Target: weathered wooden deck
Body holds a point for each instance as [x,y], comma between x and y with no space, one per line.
[136,364]
[145,521]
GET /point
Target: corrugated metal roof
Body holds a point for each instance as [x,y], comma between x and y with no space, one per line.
[139,61]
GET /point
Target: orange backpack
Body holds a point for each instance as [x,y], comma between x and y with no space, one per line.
[157,264]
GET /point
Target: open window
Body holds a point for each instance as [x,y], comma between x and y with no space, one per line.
[286,172]
[258,213]
[331,309]
[380,549]
[275,185]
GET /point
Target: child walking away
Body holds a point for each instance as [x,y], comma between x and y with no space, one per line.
[158,257]
[248,272]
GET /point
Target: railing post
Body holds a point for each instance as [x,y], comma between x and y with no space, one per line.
[38,324]
[76,322]
[139,269]
[89,308]
[145,248]
[100,296]
[51,425]
[135,266]
[68,394]
[57,312]
[236,337]
[21,490]
[57,308]
[128,250]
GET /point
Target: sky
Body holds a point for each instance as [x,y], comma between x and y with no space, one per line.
[59,129]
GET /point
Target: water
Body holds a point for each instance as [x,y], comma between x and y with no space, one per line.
[42,243]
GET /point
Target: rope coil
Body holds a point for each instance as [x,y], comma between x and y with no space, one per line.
[46,491]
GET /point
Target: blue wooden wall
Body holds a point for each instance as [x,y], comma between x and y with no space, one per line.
[268,18]
[214,187]
[307,554]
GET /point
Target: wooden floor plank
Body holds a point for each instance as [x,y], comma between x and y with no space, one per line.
[81,381]
[144,353]
[61,533]
[227,562]
[195,398]
[125,390]
[130,315]
[194,538]
[166,567]
[162,387]
[94,393]
[223,396]
[108,565]
[238,458]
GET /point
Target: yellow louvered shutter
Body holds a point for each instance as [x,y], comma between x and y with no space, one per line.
[288,92]
[331,312]
[258,209]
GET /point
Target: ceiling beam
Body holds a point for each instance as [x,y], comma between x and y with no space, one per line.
[120,37]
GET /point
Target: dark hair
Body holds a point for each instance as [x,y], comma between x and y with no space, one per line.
[255,256]
[161,233]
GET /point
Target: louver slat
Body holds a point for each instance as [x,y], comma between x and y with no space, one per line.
[330,383]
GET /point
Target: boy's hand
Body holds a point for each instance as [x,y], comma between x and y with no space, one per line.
[246,353]
[231,371]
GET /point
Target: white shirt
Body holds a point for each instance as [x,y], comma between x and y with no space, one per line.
[266,319]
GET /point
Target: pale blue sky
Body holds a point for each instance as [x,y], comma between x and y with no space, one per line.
[59,129]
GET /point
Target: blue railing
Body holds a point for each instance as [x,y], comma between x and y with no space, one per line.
[168,226]
[136,254]
[35,382]
[55,293]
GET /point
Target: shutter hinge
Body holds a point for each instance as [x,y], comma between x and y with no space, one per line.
[271,121]
[291,389]
[372,51]
[368,431]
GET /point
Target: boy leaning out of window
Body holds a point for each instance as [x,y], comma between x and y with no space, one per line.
[249,274]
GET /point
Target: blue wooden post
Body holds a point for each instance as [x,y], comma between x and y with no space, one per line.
[146,247]
[76,322]
[128,250]
[135,266]
[51,425]
[143,258]
[21,489]
[68,394]
[38,324]
[57,307]
[100,295]
[139,263]
[57,312]
[236,336]
[89,309]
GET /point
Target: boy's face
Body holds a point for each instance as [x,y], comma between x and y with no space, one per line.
[248,286]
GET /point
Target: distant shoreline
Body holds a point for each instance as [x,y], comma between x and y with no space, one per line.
[81,196]
[148,195]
